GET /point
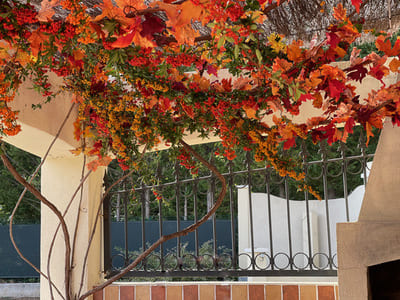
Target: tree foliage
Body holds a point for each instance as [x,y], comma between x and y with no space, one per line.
[10,189]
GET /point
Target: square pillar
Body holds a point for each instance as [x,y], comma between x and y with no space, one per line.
[60,177]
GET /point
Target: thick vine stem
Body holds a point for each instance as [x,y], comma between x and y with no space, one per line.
[183,232]
[54,209]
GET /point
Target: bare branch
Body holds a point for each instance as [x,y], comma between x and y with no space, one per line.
[83,179]
[52,207]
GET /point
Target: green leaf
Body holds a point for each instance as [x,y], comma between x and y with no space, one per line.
[221,42]
[230,39]
[236,51]
[259,56]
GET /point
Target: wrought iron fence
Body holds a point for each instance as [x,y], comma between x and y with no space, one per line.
[265,227]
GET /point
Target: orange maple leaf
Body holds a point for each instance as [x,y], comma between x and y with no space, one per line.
[242,84]
[171,10]
[46,11]
[103,161]
[394,65]
[185,35]
[294,51]
[384,44]
[180,20]
[188,12]
[251,111]
[37,40]
[136,4]
[340,13]
[110,11]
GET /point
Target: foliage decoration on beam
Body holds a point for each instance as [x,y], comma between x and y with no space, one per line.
[145,73]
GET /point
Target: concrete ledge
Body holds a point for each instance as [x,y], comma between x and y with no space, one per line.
[19,290]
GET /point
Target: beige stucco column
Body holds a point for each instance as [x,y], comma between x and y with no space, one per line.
[60,178]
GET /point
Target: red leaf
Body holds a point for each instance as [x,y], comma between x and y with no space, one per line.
[333,39]
[357,72]
[356,4]
[212,70]
[289,143]
[125,40]
[305,97]
[348,127]
[335,88]
[152,25]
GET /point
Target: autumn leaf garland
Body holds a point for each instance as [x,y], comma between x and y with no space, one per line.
[145,75]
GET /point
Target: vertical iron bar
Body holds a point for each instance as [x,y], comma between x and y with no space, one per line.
[271,243]
[305,169]
[160,230]
[143,200]
[126,224]
[344,170]
[325,184]
[248,165]
[289,223]
[107,230]
[196,232]
[232,212]
[364,156]
[160,220]
[214,221]
[178,217]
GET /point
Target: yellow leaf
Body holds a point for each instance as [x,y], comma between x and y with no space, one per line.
[4,54]
[23,58]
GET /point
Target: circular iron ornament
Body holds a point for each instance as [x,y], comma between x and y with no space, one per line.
[306,258]
[224,261]
[311,168]
[206,262]
[285,256]
[189,262]
[153,262]
[334,261]
[276,178]
[118,261]
[261,261]
[140,265]
[171,262]
[246,258]
[355,161]
[321,265]
[331,165]
[240,179]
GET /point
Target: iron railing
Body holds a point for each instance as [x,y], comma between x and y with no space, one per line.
[258,231]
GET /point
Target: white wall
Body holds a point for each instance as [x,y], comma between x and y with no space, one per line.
[317,211]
